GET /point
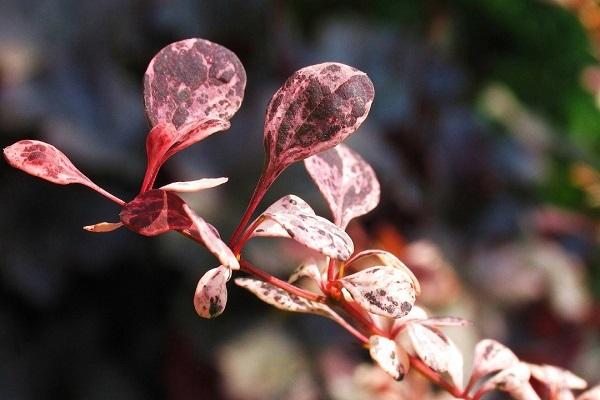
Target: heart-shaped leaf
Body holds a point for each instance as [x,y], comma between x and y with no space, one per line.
[103,227]
[491,356]
[155,212]
[193,79]
[347,182]
[388,356]
[513,380]
[194,186]
[382,290]
[316,109]
[435,349]
[47,162]
[210,297]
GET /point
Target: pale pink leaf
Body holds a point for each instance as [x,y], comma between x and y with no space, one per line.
[155,212]
[435,349]
[592,394]
[267,227]
[388,356]
[211,240]
[556,378]
[194,186]
[310,270]
[513,380]
[347,182]
[491,356]
[316,109]
[103,227]
[382,290]
[445,321]
[210,297]
[193,79]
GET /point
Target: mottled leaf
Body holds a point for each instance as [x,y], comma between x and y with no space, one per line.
[210,237]
[193,79]
[47,162]
[592,394]
[386,354]
[269,228]
[435,349]
[347,182]
[556,378]
[491,356]
[309,269]
[316,109]
[382,290]
[103,227]
[155,212]
[513,380]
[210,297]
[194,186]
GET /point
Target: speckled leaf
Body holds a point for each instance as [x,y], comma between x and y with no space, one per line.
[316,109]
[268,227]
[194,186]
[556,378]
[284,300]
[386,354]
[435,349]
[210,297]
[209,236]
[309,269]
[193,79]
[513,380]
[347,182]
[491,356]
[382,290]
[47,162]
[592,394]
[155,212]
[103,227]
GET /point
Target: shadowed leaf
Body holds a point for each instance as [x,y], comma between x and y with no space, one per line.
[210,297]
[556,378]
[103,227]
[309,269]
[347,182]
[193,79]
[316,109]
[513,380]
[491,356]
[386,354]
[382,290]
[194,186]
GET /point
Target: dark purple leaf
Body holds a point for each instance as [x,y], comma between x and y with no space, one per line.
[316,109]
[193,79]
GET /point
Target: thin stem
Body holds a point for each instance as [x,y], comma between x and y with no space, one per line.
[108,195]
[246,266]
[247,233]
[436,378]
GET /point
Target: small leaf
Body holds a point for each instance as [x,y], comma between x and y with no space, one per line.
[210,297]
[283,300]
[316,109]
[194,186]
[592,394]
[347,182]
[268,227]
[556,378]
[103,227]
[445,321]
[309,269]
[210,237]
[193,79]
[513,380]
[435,349]
[382,290]
[491,356]
[385,353]
[155,212]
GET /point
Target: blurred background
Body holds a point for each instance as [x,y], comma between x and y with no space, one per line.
[484,133]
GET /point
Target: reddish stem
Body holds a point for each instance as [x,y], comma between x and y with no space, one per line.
[331,270]
[108,195]
[436,378]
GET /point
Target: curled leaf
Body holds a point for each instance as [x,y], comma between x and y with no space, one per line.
[382,290]
[193,79]
[316,109]
[309,269]
[491,356]
[210,297]
[513,380]
[103,227]
[347,182]
[194,186]
[386,354]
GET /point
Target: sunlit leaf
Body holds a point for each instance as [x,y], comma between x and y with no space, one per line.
[210,297]
[270,228]
[103,227]
[491,356]
[310,270]
[191,80]
[513,380]
[194,186]
[435,349]
[347,182]
[316,109]
[382,290]
[386,354]
[155,212]
[592,394]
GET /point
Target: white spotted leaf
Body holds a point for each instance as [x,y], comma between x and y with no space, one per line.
[210,297]
[388,356]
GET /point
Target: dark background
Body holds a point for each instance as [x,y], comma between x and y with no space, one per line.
[485,134]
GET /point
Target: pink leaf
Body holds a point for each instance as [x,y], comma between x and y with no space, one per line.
[592,394]
[103,227]
[191,80]
[309,269]
[382,290]
[47,162]
[316,109]
[209,236]
[491,356]
[388,356]
[513,380]
[269,228]
[346,181]
[556,378]
[445,321]
[194,186]
[155,212]
[211,293]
